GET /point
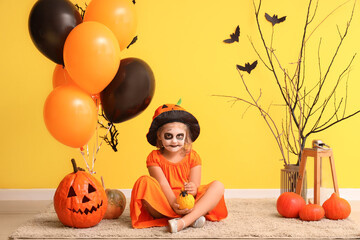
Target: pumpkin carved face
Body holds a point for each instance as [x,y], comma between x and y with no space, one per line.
[80,200]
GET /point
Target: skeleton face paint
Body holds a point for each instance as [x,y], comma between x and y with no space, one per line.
[173,136]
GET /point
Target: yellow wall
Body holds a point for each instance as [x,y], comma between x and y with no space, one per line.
[182,42]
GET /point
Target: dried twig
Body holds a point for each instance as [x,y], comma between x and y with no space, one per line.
[305,108]
[82,10]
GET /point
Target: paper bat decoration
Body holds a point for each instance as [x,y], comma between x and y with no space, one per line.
[274,19]
[132,41]
[234,37]
[114,133]
[248,67]
[81,10]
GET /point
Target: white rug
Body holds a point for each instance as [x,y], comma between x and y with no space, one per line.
[248,218]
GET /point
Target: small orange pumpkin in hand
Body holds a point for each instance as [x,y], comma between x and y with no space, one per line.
[185,200]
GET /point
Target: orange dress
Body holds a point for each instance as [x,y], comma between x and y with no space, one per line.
[149,189]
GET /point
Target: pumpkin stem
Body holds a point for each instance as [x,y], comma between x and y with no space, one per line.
[74,165]
[183,193]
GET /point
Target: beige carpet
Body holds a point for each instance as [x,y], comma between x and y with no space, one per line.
[248,218]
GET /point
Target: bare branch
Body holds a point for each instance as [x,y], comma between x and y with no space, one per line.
[332,12]
[314,13]
[319,59]
[266,50]
[306,104]
[336,122]
[257,53]
[346,95]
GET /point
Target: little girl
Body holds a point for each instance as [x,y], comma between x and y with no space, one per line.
[174,166]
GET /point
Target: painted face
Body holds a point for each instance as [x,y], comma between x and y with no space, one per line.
[173,136]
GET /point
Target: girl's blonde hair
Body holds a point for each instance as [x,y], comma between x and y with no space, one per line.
[187,141]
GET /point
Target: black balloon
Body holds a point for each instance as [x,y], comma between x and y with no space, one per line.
[50,22]
[130,92]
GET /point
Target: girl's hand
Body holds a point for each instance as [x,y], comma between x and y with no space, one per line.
[179,211]
[190,188]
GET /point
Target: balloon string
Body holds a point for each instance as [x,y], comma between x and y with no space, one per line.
[87,158]
[95,150]
[98,147]
[96,137]
[87,165]
[95,146]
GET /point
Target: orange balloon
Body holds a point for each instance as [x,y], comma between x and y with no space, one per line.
[91,56]
[118,15]
[70,115]
[61,76]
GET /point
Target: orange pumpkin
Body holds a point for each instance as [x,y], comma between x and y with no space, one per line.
[336,207]
[312,212]
[80,200]
[116,203]
[289,204]
[185,200]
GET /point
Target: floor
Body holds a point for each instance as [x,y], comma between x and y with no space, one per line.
[14,213]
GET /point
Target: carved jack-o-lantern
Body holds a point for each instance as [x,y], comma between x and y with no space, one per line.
[80,200]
